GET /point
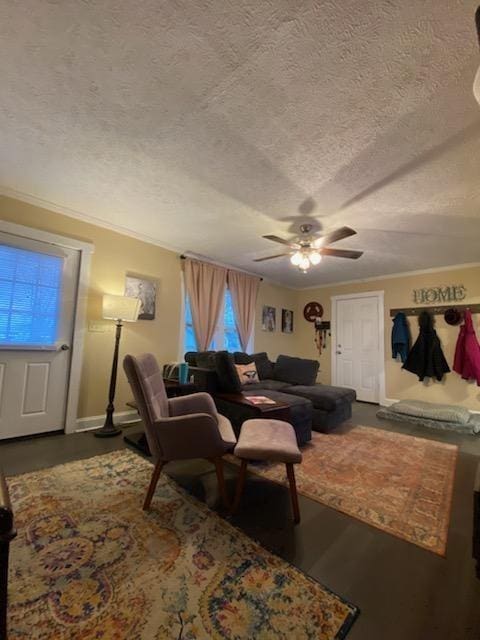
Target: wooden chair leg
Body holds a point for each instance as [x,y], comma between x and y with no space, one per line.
[221,482]
[153,484]
[293,492]
[240,485]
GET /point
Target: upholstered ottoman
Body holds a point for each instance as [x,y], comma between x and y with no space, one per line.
[331,405]
[272,441]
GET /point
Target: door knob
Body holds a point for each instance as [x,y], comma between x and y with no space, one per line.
[65,347]
[339,353]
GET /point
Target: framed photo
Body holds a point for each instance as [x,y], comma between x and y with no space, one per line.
[269,322]
[146,291]
[287,321]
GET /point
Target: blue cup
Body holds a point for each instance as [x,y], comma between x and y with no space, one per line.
[183,372]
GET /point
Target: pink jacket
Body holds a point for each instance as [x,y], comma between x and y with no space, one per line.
[467,351]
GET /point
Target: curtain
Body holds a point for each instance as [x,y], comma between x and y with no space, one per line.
[244,291]
[205,284]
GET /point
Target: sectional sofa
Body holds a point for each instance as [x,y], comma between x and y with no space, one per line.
[289,380]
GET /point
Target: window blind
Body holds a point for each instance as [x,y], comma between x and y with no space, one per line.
[30,294]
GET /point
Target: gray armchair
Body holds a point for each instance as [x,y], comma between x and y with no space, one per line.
[177,428]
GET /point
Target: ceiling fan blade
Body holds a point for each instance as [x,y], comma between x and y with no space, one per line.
[288,243]
[278,255]
[334,236]
[341,253]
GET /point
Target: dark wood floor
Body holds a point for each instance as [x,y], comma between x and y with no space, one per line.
[404,592]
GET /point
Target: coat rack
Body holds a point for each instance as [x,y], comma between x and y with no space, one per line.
[416,311]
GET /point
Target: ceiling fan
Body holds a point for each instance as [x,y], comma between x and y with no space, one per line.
[308,248]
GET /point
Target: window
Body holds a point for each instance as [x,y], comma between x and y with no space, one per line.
[226,334]
[30,286]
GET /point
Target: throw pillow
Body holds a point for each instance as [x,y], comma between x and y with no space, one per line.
[263,364]
[247,373]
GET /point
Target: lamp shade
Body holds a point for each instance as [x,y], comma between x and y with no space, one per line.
[120,308]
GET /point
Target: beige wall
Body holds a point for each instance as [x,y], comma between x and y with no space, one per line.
[398,293]
[276,342]
[115,255]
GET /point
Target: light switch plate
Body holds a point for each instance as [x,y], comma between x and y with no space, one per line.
[96,326]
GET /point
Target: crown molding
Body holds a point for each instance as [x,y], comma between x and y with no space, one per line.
[391,276]
[84,217]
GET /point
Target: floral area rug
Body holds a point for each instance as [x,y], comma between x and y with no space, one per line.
[395,482]
[89,564]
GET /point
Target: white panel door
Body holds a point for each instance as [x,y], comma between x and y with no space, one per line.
[38,291]
[357,346]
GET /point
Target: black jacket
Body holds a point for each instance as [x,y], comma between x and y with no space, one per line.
[426,357]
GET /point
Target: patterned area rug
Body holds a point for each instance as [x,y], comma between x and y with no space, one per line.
[89,564]
[395,482]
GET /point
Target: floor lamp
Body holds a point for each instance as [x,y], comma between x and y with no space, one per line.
[121,309]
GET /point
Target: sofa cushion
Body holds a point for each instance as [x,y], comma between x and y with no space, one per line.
[323,396]
[191,358]
[206,359]
[433,411]
[295,370]
[263,364]
[228,380]
[270,385]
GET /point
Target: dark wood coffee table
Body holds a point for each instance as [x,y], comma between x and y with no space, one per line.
[275,411]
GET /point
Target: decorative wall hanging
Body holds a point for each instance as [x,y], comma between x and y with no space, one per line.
[287,321]
[312,311]
[437,295]
[269,321]
[322,327]
[146,291]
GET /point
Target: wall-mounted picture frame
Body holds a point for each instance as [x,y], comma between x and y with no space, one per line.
[287,321]
[145,289]
[269,321]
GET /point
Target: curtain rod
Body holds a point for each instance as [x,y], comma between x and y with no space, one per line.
[184,257]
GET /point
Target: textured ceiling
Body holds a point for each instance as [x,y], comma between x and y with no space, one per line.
[204,125]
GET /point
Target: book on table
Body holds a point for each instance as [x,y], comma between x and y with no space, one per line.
[260,400]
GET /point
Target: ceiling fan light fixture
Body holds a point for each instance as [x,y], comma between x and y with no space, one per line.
[296,259]
[315,257]
[305,263]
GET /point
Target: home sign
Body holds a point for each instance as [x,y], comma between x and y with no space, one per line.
[435,295]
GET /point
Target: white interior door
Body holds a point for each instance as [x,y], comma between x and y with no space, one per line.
[38,292]
[357,343]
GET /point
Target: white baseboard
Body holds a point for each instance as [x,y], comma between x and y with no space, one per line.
[94,422]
